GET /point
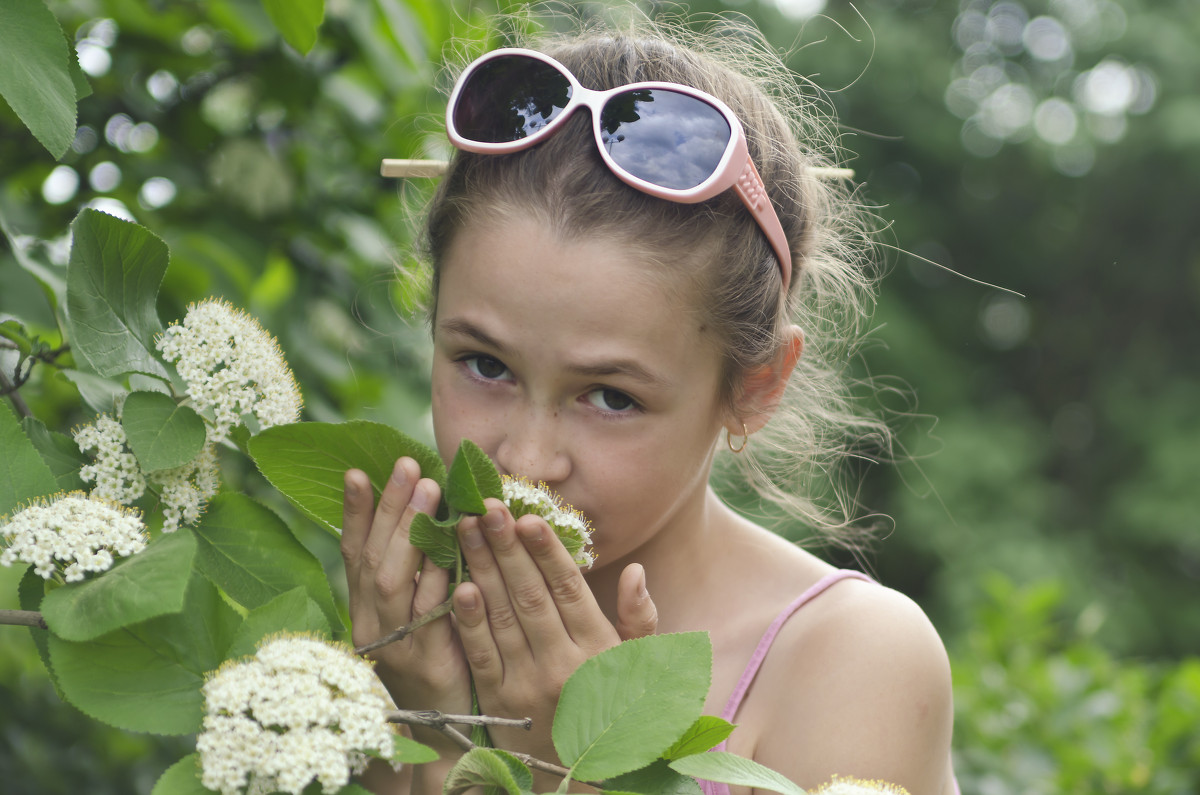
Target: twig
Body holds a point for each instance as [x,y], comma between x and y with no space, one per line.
[436,720]
[8,388]
[406,630]
[23,618]
[393,167]
[440,721]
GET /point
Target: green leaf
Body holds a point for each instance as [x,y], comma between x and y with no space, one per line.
[250,554]
[23,473]
[307,461]
[60,453]
[733,769]
[408,751]
[624,707]
[181,778]
[54,287]
[654,779]
[100,394]
[31,590]
[436,539]
[162,434]
[297,20]
[471,480]
[706,732]
[488,767]
[35,77]
[113,277]
[151,583]
[291,612]
[147,677]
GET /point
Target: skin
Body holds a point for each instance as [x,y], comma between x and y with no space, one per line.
[614,402]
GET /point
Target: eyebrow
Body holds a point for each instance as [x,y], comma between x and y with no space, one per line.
[599,369]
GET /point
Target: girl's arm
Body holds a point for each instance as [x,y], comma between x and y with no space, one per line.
[860,688]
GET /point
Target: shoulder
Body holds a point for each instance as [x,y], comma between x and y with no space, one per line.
[860,679]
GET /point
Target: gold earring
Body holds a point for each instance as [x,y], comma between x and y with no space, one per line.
[745,440]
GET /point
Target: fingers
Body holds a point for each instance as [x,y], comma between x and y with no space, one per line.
[533,592]
[637,616]
[381,564]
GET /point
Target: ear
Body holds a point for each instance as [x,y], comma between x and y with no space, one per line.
[762,388]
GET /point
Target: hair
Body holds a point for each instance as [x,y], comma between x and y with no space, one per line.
[715,247]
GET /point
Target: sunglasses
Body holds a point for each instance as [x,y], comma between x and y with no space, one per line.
[668,140]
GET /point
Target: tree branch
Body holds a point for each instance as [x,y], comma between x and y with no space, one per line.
[23,618]
[441,722]
[406,630]
[7,387]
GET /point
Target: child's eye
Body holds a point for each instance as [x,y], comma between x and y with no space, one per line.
[486,367]
[612,400]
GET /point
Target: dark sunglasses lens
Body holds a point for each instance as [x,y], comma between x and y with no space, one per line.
[667,138]
[509,98]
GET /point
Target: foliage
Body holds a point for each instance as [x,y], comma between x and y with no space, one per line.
[1041,708]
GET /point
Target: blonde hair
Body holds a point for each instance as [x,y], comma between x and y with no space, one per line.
[716,246]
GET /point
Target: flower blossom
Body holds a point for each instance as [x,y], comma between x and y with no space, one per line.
[523,497]
[115,471]
[846,785]
[232,367]
[301,710]
[184,491]
[72,532]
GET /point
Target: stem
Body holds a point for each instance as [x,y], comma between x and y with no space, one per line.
[7,387]
[406,630]
[440,721]
[436,720]
[23,618]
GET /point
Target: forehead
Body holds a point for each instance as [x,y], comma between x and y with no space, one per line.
[520,279]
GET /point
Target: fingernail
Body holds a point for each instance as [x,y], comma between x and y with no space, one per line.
[399,476]
[422,500]
[493,520]
[468,601]
[642,592]
[472,538]
[351,488]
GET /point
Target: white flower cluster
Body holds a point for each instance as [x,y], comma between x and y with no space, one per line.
[845,785]
[232,367]
[115,471]
[300,710]
[184,491]
[74,531]
[523,497]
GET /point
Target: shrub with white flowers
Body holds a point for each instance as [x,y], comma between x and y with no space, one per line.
[72,533]
[301,710]
[232,367]
[523,496]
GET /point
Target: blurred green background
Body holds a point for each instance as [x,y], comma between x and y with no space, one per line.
[1044,511]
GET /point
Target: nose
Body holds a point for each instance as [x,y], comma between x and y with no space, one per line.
[532,446]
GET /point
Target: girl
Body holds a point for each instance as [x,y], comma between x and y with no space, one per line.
[616,288]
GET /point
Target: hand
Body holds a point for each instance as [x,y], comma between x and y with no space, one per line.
[527,619]
[390,582]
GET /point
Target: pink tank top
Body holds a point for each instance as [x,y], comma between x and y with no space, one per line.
[760,653]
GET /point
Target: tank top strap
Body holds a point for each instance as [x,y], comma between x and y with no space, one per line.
[768,638]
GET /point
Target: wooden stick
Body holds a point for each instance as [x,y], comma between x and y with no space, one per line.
[435,168]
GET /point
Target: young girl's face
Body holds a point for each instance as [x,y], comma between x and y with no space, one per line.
[567,363]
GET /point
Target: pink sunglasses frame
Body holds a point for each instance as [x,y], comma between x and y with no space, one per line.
[735,170]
